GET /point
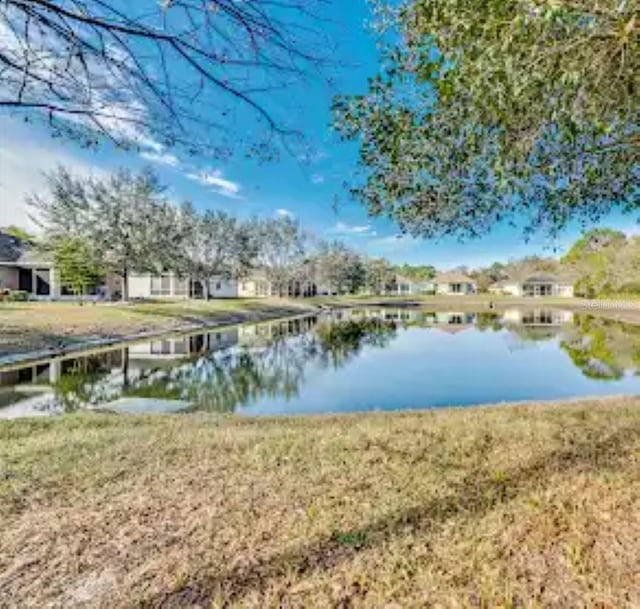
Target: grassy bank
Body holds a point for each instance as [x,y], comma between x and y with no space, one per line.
[535,506]
[32,326]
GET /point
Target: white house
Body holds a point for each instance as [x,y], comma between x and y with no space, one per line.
[454,283]
[536,285]
[170,285]
[406,286]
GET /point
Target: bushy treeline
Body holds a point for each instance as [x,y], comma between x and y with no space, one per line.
[126,223]
[602,262]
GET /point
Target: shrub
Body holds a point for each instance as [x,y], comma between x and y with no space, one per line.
[18,296]
[631,287]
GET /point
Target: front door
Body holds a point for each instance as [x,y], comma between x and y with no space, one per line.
[25,280]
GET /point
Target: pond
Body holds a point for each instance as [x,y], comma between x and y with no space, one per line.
[355,360]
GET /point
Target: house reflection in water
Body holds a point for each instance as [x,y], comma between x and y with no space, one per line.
[537,317]
[98,377]
[182,347]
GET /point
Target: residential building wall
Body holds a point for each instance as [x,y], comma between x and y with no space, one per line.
[564,291]
[223,288]
[167,285]
[447,288]
[8,278]
[171,286]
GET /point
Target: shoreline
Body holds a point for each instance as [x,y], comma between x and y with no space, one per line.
[20,358]
[271,310]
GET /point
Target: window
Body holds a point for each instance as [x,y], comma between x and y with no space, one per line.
[161,285]
[456,288]
[218,285]
[181,287]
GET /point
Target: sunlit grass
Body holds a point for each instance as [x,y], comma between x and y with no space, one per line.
[37,325]
[479,507]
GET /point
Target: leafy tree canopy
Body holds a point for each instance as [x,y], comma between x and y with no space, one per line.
[594,241]
[77,263]
[417,272]
[493,110]
[18,232]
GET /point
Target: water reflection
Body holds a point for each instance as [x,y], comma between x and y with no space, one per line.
[273,363]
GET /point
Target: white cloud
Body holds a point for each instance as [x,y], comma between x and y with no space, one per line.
[632,231]
[317,178]
[310,157]
[23,159]
[163,158]
[393,243]
[284,213]
[341,228]
[215,178]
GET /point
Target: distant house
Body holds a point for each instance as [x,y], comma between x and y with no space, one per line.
[406,286]
[23,268]
[455,283]
[170,285]
[535,285]
[505,287]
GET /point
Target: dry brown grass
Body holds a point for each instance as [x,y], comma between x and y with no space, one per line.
[524,506]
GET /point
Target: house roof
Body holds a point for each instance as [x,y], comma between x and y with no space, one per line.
[15,252]
[548,278]
[453,277]
[10,249]
[540,278]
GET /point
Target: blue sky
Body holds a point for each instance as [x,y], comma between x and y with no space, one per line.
[305,190]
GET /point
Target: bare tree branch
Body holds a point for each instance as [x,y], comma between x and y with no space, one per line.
[169,74]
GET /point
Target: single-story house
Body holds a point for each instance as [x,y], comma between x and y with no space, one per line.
[23,268]
[535,285]
[170,285]
[509,287]
[455,283]
[406,286]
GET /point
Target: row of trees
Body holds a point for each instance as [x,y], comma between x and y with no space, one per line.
[602,262]
[125,223]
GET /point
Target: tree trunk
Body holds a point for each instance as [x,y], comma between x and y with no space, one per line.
[125,285]
[205,288]
[125,368]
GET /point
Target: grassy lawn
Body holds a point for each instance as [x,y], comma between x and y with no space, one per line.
[535,506]
[37,325]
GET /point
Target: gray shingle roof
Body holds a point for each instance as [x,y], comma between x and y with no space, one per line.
[14,251]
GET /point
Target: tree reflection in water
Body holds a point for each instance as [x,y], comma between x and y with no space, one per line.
[272,365]
[601,348]
[223,371]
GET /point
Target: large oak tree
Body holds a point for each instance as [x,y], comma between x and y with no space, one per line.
[493,110]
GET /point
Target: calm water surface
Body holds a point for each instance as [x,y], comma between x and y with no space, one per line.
[369,359]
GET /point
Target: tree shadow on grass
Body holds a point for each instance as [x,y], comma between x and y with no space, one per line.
[476,495]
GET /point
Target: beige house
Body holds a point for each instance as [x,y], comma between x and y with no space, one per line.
[535,285]
[455,284]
